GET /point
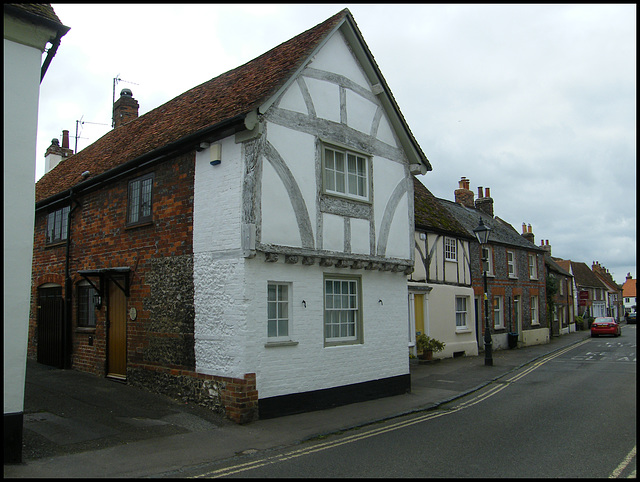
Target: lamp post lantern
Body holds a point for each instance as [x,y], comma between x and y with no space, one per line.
[482,233]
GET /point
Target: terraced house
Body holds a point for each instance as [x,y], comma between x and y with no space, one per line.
[516,272]
[441,296]
[245,245]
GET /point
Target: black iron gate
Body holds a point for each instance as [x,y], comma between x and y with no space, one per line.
[50,320]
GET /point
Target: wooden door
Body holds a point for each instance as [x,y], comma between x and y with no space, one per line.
[50,327]
[117,334]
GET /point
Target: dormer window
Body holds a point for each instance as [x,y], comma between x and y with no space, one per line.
[346,173]
[140,200]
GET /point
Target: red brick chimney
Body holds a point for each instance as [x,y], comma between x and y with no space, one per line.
[463,195]
[546,246]
[484,204]
[125,109]
[527,234]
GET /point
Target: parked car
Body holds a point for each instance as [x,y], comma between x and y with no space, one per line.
[631,318]
[605,326]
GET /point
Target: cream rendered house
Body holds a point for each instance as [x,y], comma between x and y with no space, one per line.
[441,296]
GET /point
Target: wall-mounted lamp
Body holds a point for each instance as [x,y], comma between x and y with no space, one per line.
[304,303]
[216,154]
[381,303]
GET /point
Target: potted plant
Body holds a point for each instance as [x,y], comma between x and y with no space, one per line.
[428,346]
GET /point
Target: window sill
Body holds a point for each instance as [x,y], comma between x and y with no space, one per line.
[56,244]
[272,344]
[451,260]
[535,323]
[463,330]
[85,329]
[140,225]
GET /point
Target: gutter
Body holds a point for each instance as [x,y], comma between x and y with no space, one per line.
[61,31]
[144,160]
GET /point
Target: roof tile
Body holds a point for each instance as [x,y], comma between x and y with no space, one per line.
[231,94]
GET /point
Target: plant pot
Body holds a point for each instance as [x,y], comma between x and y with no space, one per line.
[426,355]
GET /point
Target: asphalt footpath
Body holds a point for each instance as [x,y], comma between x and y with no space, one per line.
[80,425]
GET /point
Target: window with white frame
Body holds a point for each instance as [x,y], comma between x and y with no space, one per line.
[498,312]
[450,249]
[533,267]
[487,259]
[534,310]
[346,173]
[278,312]
[511,264]
[561,286]
[461,312]
[342,314]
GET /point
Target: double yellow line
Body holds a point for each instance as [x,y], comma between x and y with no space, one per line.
[227,471]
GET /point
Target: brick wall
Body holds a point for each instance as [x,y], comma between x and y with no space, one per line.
[159,255]
[501,285]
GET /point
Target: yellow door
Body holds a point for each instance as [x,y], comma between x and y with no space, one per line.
[117,352]
[418,303]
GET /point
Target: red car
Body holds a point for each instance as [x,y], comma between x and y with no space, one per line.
[605,326]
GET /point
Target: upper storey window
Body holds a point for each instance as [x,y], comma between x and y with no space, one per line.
[346,173]
[57,222]
[140,200]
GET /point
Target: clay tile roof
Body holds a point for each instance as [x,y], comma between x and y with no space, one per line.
[44,10]
[629,288]
[232,94]
[584,276]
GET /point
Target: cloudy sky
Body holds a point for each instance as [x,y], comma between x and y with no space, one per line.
[536,102]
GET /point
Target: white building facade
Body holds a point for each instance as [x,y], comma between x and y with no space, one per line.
[303,236]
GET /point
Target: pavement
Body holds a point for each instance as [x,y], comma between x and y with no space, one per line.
[80,425]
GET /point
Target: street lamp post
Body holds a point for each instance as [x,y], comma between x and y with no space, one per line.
[482,233]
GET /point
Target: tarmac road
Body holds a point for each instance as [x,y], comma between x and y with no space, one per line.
[80,425]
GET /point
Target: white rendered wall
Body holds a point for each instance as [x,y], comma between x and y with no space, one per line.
[442,320]
[356,109]
[21,92]
[218,265]
[230,290]
[309,365]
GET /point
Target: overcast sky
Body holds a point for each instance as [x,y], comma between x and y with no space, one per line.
[536,102]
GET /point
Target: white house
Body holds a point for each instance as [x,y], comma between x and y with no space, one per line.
[28,28]
[441,296]
[305,284]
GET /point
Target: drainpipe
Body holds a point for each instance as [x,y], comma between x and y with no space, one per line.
[68,288]
[55,43]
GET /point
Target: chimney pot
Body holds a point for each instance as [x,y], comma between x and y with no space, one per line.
[463,195]
[524,228]
[486,192]
[480,192]
[65,139]
[529,228]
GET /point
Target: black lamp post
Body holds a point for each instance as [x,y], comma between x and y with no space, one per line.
[482,233]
